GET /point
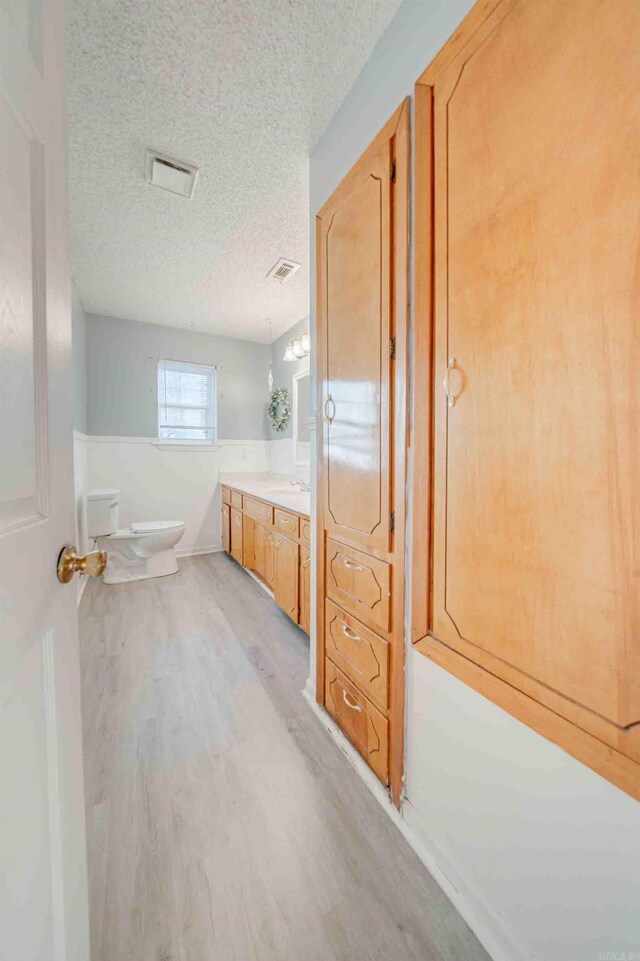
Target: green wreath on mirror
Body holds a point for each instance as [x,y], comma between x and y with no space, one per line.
[279,409]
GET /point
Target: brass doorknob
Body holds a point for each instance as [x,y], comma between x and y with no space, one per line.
[69,562]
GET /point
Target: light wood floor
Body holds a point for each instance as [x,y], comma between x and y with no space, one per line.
[223,822]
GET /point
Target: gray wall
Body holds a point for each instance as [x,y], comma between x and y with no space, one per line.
[79,360]
[122,364]
[284,370]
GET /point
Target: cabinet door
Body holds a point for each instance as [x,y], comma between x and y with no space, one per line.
[248,542]
[263,553]
[537,446]
[226,525]
[304,618]
[354,286]
[236,535]
[285,585]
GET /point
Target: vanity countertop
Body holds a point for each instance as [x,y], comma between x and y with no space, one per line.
[276,488]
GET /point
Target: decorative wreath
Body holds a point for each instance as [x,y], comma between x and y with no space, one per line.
[279,409]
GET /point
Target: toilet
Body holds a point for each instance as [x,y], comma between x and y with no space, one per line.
[145,549]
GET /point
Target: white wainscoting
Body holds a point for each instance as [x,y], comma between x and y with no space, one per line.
[164,483]
[281,459]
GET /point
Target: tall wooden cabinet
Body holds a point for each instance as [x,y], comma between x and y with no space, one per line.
[528,193]
[362,258]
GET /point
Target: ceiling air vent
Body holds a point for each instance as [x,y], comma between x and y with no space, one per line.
[169,174]
[283,270]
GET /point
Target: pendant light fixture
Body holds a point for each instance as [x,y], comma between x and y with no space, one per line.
[270,376]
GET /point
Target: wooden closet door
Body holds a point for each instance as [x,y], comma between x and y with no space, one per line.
[537,306]
[354,307]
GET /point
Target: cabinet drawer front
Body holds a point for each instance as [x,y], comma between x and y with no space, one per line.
[261,512]
[305,530]
[236,499]
[285,522]
[363,724]
[226,495]
[359,653]
[360,584]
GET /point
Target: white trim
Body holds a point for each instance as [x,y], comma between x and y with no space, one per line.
[78,435]
[53,790]
[186,445]
[84,580]
[298,376]
[501,943]
[158,442]
[194,551]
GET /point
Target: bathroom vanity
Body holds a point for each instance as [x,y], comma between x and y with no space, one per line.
[266,528]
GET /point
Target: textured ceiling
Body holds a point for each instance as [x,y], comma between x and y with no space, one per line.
[243,89]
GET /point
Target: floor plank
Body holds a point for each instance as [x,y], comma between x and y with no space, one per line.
[223,822]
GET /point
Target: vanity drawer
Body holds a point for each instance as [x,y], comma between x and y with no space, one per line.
[359,653]
[360,584]
[226,495]
[236,500]
[305,530]
[258,510]
[285,522]
[362,723]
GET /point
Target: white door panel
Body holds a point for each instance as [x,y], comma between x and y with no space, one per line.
[44,891]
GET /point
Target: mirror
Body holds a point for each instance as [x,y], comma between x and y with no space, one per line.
[301,413]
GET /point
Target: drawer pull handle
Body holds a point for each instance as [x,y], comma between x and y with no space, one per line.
[350,704]
[328,401]
[351,565]
[351,634]
[451,397]
[307,562]
[238,520]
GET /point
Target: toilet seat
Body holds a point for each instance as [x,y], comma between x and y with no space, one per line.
[150,527]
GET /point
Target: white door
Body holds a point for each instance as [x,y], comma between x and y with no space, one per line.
[44,887]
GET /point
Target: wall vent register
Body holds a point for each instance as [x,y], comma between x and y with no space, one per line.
[186,402]
[176,176]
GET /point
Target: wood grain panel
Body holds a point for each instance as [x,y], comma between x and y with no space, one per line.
[236,535]
[360,584]
[304,615]
[226,527]
[258,509]
[236,499]
[537,464]
[356,272]
[364,725]
[305,531]
[286,522]
[226,495]
[286,564]
[359,653]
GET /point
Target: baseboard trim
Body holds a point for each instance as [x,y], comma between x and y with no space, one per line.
[196,551]
[489,928]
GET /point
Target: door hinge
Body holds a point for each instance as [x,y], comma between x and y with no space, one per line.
[392,171]
[392,521]
[392,347]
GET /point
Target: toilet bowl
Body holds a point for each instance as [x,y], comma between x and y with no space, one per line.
[145,549]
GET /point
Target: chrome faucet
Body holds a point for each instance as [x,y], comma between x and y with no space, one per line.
[304,486]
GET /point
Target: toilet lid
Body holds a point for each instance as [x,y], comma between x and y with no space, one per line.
[148,527]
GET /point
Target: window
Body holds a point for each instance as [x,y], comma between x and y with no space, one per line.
[186,401]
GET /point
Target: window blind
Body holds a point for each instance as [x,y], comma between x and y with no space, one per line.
[186,401]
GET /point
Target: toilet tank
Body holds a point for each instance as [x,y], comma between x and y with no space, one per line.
[102,511]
